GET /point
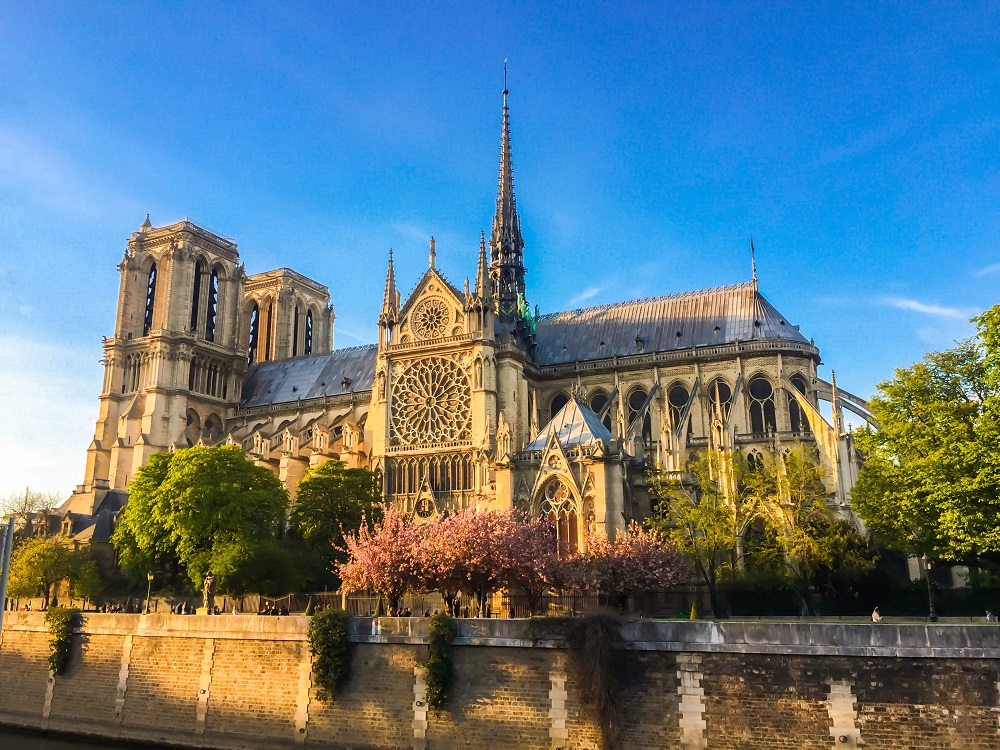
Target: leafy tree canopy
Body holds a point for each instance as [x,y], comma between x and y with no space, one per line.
[39,564]
[931,479]
[333,500]
[198,510]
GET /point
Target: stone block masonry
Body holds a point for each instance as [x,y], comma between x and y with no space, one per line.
[246,682]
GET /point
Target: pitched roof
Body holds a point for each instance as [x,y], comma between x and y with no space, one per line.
[707,317]
[575,424]
[288,380]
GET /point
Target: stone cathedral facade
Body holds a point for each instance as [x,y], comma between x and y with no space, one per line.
[469,397]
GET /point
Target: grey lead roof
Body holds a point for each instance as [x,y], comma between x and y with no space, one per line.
[706,317]
[575,424]
[310,377]
[722,315]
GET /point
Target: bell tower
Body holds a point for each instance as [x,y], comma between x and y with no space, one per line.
[173,369]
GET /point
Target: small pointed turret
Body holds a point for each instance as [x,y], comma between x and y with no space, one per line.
[389,297]
[146,225]
[483,289]
[506,243]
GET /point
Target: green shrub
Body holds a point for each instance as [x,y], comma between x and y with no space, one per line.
[60,622]
[330,650]
[440,670]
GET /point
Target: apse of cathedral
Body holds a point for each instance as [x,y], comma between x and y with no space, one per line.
[469,397]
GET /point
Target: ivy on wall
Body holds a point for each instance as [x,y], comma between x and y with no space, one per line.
[596,643]
[440,670]
[60,622]
[330,650]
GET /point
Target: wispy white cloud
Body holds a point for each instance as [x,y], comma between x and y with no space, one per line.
[925,308]
[35,173]
[49,409]
[989,270]
[416,232]
[589,293]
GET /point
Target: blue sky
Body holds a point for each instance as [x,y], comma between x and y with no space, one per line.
[858,144]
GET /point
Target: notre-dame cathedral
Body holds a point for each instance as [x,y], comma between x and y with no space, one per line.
[470,397]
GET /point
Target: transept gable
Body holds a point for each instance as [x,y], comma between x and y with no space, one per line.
[555,465]
[434,310]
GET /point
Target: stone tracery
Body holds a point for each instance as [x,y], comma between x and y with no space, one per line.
[429,318]
[432,402]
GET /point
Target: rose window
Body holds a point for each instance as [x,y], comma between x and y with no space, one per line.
[432,403]
[430,318]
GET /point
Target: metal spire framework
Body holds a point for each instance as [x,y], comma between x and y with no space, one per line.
[506,244]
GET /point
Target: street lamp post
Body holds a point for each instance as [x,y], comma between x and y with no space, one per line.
[932,613]
[149,588]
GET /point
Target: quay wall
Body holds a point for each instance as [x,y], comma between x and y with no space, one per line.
[246,682]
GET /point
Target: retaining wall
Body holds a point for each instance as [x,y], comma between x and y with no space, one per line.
[246,682]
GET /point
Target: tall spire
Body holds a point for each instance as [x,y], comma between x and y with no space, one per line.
[753,263]
[506,243]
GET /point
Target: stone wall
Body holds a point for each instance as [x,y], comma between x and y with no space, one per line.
[246,682]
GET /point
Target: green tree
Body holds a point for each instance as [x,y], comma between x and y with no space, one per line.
[708,516]
[37,566]
[931,478]
[795,505]
[333,500]
[198,510]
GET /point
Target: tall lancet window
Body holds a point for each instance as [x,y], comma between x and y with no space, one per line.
[147,321]
[199,269]
[308,347]
[796,418]
[295,332]
[761,405]
[267,331]
[213,306]
[254,328]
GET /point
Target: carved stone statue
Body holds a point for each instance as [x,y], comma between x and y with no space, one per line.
[208,593]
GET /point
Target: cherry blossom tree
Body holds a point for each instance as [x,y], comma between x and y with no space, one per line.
[638,559]
[533,564]
[383,558]
[478,550]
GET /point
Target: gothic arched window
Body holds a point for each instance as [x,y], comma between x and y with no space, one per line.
[677,399]
[213,303]
[558,402]
[597,402]
[796,417]
[147,321]
[196,295]
[761,405]
[636,400]
[720,391]
[559,508]
[295,332]
[308,346]
[755,460]
[268,321]
[254,328]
